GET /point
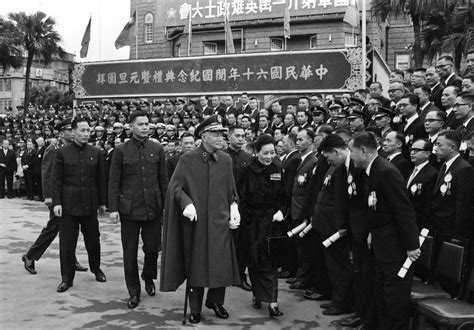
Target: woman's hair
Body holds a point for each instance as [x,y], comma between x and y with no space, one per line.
[262,140]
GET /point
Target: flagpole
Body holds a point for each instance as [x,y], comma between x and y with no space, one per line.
[189,33]
[136,34]
[364,43]
[89,53]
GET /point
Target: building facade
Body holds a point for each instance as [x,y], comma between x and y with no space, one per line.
[12,81]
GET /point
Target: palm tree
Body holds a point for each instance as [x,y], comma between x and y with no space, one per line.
[40,39]
[10,45]
[417,10]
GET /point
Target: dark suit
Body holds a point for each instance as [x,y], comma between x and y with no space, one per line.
[402,165]
[435,96]
[108,161]
[37,171]
[422,113]
[305,245]
[392,224]
[420,190]
[452,122]
[79,187]
[454,80]
[465,131]
[27,159]
[6,173]
[325,222]
[172,162]
[452,213]
[140,205]
[232,110]
[354,208]
[413,132]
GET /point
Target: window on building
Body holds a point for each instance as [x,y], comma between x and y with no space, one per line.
[402,61]
[276,44]
[149,28]
[179,50]
[4,103]
[313,42]
[350,40]
[210,48]
[5,85]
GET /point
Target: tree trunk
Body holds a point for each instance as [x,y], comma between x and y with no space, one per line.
[29,62]
[418,54]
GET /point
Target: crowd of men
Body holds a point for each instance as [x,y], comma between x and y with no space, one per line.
[407,161]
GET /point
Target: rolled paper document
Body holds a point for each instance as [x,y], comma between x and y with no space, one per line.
[297,229]
[407,264]
[327,243]
[306,230]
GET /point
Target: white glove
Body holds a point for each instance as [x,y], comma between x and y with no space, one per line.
[190,212]
[234,221]
[278,216]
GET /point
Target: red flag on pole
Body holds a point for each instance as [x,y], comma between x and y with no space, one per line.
[352,15]
[188,29]
[85,40]
[126,37]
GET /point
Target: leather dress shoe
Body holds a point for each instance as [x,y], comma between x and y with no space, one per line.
[133,301]
[80,268]
[150,287]
[245,286]
[194,318]
[100,276]
[291,280]
[335,311]
[327,305]
[298,285]
[29,264]
[351,322]
[257,304]
[315,296]
[284,274]
[63,286]
[274,311]
[219,310]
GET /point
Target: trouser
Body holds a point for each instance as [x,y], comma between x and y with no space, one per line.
[151,237]
[392,296]
[364,274]
[38,185]
[47,235]
[68,234]
[9,177]
[340,272]
[288,259]
[241,250]
[214,295]
[308,257]
[29,184]
[264,283]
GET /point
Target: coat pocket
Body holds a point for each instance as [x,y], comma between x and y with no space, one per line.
[125,204]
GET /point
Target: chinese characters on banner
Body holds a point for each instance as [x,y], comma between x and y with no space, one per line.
[259,73]
[204,10]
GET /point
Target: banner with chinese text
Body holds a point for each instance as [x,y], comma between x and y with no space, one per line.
[268,73]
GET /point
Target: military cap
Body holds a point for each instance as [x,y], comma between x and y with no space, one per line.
[360,114]
[110,131]
[19,107]
[382,112]
[157,103]
[180,101]
[143,103]
[210,124]
[336,104]
[342,113]
[127,126]
[104,102]
[151,126]
[355,101]
[320,109]
[99,128]
[190,101]
[118,125]
[171,128]
[40,107]
[64,125]
[62,108]
[160,126]
[181,127]
[169,101]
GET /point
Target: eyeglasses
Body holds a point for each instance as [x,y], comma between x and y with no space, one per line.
[415,150]
[457,105]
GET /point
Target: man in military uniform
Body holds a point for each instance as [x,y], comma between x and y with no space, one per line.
[49,233]
[138,206]
[78,193]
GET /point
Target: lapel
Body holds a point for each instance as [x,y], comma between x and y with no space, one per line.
[442,173]
[300,166]
[373,170]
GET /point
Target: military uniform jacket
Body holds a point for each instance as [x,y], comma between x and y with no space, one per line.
[79,180]
[47,171]
[138,180]
[392,220]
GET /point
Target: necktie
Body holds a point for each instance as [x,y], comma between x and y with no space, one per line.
[412,176]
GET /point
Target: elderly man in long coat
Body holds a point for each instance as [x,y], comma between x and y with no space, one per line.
[200,212]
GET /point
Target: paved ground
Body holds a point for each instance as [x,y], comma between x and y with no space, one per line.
[31,301]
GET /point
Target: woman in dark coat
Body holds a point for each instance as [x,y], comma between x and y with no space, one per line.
[262,200]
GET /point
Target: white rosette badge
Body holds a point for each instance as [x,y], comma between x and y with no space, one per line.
[327,180]
[446,186]
[372,200]
[302,179]
[351,186]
